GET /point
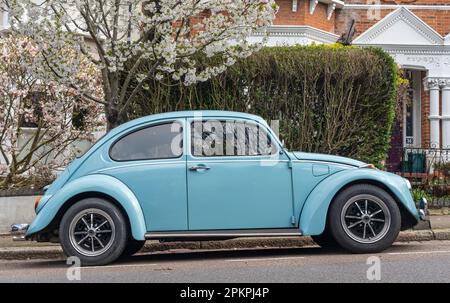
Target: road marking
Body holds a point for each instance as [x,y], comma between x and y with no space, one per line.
[263,259]
[119,266]
[421,252]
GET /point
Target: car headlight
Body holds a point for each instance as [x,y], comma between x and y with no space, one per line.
[408,184]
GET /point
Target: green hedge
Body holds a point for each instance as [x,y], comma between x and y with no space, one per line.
[329,99]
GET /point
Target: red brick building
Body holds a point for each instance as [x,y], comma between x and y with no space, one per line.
[415,32]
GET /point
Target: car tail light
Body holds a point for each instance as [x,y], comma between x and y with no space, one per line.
[38,200]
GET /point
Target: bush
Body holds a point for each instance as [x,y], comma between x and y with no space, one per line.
[329,99]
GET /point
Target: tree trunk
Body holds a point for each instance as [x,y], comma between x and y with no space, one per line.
[6,182]
[112,119]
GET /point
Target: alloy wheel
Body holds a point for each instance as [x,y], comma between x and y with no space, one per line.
[92,232]
[365,218]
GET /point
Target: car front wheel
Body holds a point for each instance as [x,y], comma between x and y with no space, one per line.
[364,219]
[94,230]
[325,240]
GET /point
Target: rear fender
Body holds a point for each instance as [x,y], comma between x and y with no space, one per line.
[97,183]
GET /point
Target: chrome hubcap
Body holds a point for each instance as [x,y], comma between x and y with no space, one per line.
[92,232]
[365,219]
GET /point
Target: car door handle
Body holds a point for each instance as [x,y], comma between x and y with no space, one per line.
[199,167]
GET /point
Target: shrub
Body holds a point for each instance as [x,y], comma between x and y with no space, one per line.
[329,99]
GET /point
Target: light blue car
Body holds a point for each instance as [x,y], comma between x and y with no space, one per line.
[214,175]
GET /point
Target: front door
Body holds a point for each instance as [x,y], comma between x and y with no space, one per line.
[238,177]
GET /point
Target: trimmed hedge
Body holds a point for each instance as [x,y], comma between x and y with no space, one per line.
[329,99]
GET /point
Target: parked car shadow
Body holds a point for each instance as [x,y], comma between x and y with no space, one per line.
[194,255]
[174,256]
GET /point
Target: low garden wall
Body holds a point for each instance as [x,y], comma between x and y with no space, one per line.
[16,207]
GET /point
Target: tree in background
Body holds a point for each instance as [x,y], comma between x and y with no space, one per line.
[117,36]
[40,121]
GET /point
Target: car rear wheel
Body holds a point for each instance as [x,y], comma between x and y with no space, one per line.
[364,219]
[94,230]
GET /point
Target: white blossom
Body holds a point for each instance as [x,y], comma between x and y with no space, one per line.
[119,36]
[36,116]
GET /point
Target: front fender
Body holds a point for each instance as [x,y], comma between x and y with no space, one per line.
[93,183]
[314,213]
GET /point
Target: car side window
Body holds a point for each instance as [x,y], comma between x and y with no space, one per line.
[162,141]
[210,138]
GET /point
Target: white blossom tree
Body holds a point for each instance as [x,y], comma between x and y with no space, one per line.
[42,123]
[172,37]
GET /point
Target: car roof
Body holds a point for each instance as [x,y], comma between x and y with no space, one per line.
[187,114]
[177,115]
[196,113]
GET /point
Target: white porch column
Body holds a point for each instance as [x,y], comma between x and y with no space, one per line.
[445,84]
[433,85]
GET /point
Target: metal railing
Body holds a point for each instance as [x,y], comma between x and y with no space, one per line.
[419,161]
[428,169]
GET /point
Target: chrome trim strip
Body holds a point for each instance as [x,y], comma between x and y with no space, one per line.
[205,160]
[325,162]
[212,234]
[177,161]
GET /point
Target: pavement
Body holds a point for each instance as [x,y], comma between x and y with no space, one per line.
[420,255]
[437,228]
[427,261]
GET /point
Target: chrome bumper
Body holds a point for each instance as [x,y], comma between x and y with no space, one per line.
[423,209]
[18,231]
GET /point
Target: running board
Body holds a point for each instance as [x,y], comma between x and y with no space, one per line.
[218,234]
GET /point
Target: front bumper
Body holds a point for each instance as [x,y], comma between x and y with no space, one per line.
[18,231]
[423,209]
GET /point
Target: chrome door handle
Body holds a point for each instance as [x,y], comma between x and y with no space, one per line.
[199,167]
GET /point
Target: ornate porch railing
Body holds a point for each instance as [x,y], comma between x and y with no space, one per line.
[419,161]
[428,169]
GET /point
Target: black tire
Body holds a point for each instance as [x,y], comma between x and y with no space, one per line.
[118,236]
[133,246]
[325,240]
[388,221]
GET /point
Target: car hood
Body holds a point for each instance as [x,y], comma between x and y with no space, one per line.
[327,158]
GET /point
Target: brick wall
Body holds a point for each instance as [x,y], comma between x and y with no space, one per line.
[425,127]
[439,20]
[339,22]
[318,20]
[405,2]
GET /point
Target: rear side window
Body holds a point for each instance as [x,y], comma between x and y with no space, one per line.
[162,141]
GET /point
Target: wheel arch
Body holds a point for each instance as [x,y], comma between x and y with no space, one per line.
[314,215]
[86,195]
[92,186]
[408,220]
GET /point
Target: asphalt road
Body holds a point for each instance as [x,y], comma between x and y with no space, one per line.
[404,262]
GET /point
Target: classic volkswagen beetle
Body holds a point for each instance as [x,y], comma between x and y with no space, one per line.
[214,175]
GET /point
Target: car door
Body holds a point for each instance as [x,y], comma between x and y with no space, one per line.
[232,182]
[151,161]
